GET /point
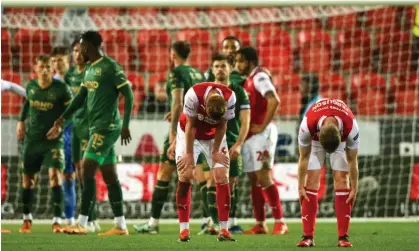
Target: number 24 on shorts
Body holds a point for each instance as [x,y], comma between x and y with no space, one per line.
[263,155]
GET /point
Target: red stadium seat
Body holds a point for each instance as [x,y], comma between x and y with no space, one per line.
[54,11]
[155,79]
[117,45]
[30,44]
[408,17]
[153,47]
[305,24]
[395,51]
[194,36]
[285,82]
[10,103]
[6,50]
[135,108]
[12,76]
[349,21]
[141,11]
[274,47]
[201,49]
[314,50]
[405,89]
[288,87]
[242,35]
[26,11]
[332,85]
[137,82]
[379,18]
[368,90]
[101,11]
[354,50]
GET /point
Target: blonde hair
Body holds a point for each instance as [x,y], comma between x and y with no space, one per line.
[216,107]
[329,138]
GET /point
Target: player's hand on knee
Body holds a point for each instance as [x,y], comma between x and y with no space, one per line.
[234,151]
[168,117]
[221,158]
[302,195]
[171,151]
[125,136]
[20,130]
[352,196]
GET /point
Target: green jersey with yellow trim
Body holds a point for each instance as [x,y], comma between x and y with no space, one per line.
[242,103]
[102,79]
[45,105]
[182,77]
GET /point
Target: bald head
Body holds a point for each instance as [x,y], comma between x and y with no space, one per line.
[329,137]
[216,106]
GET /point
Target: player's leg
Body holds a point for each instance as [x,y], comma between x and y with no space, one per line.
[184,191]
[212,205]
[201,173]
[69,183]
[258,199]
[343,210]
[234,173]
[161,192]
[309,207]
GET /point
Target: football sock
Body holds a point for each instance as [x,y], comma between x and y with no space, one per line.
[153,222]
[223,198]
[234,198]
[309,212]
[88,196]
[27,198]
[115,199]
[184,225]
[258,203]
[69,188]
[83,220]
[28,217]
[120,222]
[57,201]
[204,191]
[183,201]
[272,194]
[212,204]
[92,210]
[161,191]
[343,211]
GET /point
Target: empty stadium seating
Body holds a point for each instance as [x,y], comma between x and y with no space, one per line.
[201,48]
[405,89]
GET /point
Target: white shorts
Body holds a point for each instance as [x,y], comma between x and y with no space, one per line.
[337,159]
[200,146]
[260,148]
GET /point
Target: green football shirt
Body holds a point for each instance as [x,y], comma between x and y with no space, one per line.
[182,77]
[242,103]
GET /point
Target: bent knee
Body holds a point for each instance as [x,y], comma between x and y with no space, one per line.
[55,178]
[28,181]
[186,174]
[221,175]
[165,172]
[341,180]
[264,178]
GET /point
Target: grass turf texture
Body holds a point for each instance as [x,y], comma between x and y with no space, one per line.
[364,236]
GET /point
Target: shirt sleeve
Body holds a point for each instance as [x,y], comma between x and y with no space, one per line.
[190,108]
[68,95]
[242,99]
[120,79]
[304,135]
[13,87]
[231,107]
[263,83]
[352,142]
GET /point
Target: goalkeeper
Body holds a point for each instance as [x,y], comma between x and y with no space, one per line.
[103,81]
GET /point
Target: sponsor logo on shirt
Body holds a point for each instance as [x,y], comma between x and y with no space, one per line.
[41,105]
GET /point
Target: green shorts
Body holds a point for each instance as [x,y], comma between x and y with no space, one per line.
[164,158]
[236,166]
[42,153]
[101,146]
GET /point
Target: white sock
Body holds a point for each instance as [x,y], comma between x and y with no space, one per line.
[27,217]
[232,222]
[120,222]
[56,220]
[153,222]
[83,220]
[184,225]
[279,220]
[71,221]
[204,220]
[223,225]
[263,223]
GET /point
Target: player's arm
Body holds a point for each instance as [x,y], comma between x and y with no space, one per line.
[124,87]
[20,129]
[304,148]
[75,104]
[265,86]
[13,87]
[244,115]
[352,145]
[175,111]
[190,108]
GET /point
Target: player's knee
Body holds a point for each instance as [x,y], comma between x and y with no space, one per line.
[264,178]
[221,175]
[89,168]
[165,172]
[69,176]
[233,181]
[186,174]
[252,178]
[313,179]
[341,180]
[55,178]
[28,181]
[211,182]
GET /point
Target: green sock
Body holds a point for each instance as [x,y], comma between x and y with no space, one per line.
[204,192]
[161,191]
[88,196]
[92,212]
[115,198]
[233,203]
[57,201]
[212,204]
[27,198]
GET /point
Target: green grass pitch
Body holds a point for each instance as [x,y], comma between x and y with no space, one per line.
[364,236]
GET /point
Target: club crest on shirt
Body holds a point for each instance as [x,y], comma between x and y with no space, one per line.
[98,71]
[51,95]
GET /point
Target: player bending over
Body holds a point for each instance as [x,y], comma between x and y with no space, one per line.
[80,133]
[329,128]
[201,129]
[46,100]
[103,81]
[59,63]
[237,129]
[179,80]
[259,148]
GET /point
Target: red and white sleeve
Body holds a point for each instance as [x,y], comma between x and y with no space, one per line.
[352,142]
[304,135]
[190,108]
[263,83]
[231,107]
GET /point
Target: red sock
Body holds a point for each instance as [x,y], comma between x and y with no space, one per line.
[343,211]
[272,194]
[309,212]
[183,201]
[258,203]
[223,198]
